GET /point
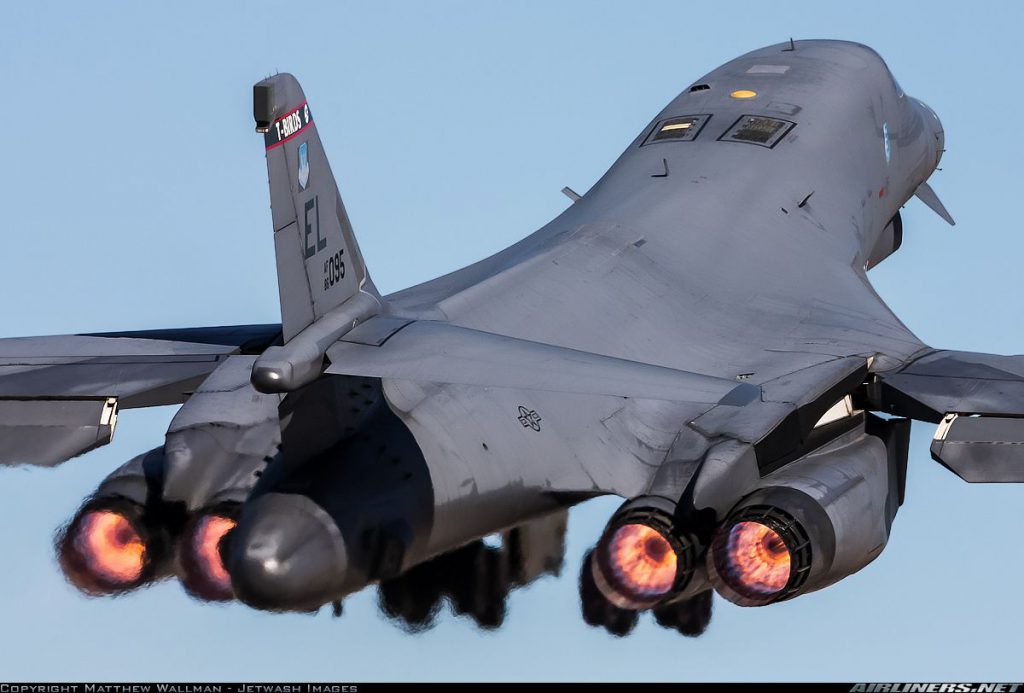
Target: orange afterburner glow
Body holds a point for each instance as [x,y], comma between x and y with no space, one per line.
[110,547]
[642,561]
[757,560]
[205,575]
[206,543]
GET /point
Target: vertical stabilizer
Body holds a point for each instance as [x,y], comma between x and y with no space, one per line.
[319,265]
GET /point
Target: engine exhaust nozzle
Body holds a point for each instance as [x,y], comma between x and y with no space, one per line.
[760,555]
[641,559]
[107,549]
[203,573]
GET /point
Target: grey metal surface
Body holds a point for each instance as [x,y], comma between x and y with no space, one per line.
[733,283]
[319,265]
[50,386]
[300,360]
[982,448]
[941,382]
[47,432]
[849,478]
[250,339]
[140,372]
[135,479]
[675,335]
[925,193]
[221,439]
[431,351]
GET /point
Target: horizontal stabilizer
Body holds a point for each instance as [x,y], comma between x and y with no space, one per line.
[445,353]
[947,382]
[987,449]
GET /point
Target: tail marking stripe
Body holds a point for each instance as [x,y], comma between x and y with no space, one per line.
[288,126]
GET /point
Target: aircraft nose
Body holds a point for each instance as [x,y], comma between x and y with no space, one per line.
[932,118]
[286,554]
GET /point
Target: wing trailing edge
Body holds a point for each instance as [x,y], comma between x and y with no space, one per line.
[59,395]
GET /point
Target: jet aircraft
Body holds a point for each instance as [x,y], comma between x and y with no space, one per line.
[697,334]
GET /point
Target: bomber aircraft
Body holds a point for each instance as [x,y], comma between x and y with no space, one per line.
[696,334]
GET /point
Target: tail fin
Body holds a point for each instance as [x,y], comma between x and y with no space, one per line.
[319,265]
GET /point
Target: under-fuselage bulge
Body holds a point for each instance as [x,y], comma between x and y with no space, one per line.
[671,338]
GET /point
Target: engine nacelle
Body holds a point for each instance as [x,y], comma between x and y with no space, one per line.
[887,243]
[220,440]
[813,522]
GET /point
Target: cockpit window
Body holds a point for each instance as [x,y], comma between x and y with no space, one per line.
[681,129]
[759,130]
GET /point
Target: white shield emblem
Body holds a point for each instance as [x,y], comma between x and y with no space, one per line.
[303,166]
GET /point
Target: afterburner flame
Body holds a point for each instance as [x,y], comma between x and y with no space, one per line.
[110,547]
[642,561]
[757,559]
[206,543]
[206,576]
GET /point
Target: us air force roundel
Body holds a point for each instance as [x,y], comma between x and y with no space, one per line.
[288,126]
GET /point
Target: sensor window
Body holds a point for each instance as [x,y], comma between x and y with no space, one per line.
[681,129]
[759,130]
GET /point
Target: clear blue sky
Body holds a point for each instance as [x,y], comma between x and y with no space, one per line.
[133,195]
